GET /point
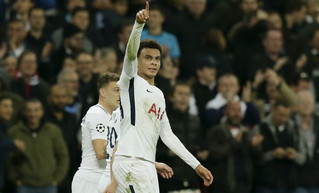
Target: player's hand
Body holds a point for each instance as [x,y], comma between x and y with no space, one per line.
[111,188]
[205,174]
[143,15]
[164,170]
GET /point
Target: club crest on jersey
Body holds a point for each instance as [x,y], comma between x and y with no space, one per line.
[157,112]
[100,128]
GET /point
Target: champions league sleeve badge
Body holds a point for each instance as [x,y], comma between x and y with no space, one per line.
[100,128]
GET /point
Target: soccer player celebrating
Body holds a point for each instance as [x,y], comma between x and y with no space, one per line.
[144,118]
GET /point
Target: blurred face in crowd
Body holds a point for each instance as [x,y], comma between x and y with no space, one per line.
[22,6]
[108,62]
[111,92]
[16,32]
[121,7]
[58,98]
[233,113]
[10,65]
[197,7]
[272,91]
[281,115]
[315,40]
[273,42]
[34,112]
[84,65]
[75,3]
[125,34]
[249,5]
[207,74]
[71,83]
[305,103]
[37,19]
[28,65]
[313,6]
[149,63]
[75,42]
[181,96]
[81,19]
[156,18]
[274,21]
[69,63]
[228,86]
[6,109]
[300,15]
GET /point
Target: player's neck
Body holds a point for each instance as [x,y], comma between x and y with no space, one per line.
[149,80]
[105,106]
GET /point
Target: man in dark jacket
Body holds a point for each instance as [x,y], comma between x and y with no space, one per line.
[231,152]
[187,128]
[6,144]
[45,162]
[57,101]
[308,125]
[282,152]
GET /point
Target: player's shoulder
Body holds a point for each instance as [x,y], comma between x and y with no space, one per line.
[96,112]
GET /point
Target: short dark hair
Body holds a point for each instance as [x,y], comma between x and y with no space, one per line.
[281,103]
[33,9]
[294,5]
[106,78]
[24,53]
[33,100]
[179,83]
[4,97]
[148,43]
[78,9]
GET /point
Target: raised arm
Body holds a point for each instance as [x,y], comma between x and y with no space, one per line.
[130,59]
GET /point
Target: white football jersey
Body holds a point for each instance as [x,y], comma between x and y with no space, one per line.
[143,112]
[113,132]
[93,126]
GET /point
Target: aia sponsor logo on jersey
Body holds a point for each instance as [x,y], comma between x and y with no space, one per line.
[157,111]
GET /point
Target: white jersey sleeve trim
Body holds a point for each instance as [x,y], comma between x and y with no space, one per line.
[174,144]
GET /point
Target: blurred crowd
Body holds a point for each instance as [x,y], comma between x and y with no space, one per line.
[240,77]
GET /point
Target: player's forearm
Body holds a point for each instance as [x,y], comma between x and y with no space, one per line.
[113,180]
[174,144]
[134,41]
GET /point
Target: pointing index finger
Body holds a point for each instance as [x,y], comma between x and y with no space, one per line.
[147,6]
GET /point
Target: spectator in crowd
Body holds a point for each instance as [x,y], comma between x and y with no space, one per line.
[302,81]
[232,151]
[38,41]
[27,83]
[271,57]
[228,89]
[312,52]
[69,79]
[282,152]
[45,162]
[274,21]
[276,89]
[16,35]
[205,87]
[108,20]
[17,103]
[88,80]
[190,40]
[9,64]
[6,145]
[72,44]
[56,114]
[188,129]
[80,17]
[123,32]
[21,11]
[69,63]
[155,31]
[105,60]
[307,123]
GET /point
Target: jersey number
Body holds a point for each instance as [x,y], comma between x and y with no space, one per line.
[111,136]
